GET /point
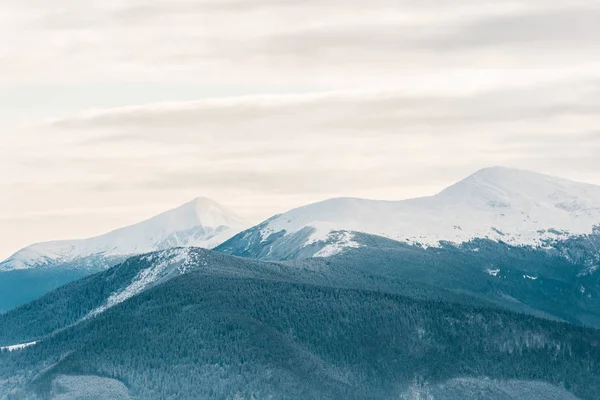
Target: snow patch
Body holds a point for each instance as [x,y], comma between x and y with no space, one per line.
[265,233]
[346,241]
[147,277]
[588,271]
[17,346]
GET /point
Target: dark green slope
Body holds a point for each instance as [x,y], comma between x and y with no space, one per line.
[558,283]
[560,280]
[71,303]
[201,336]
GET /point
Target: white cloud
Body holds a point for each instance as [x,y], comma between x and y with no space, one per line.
[327,41]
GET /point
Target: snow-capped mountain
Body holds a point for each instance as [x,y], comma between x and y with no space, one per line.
[200,223]
[501,204]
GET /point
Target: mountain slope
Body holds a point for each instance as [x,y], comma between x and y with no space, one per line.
[556,284]
[560,282]
[207,335]
[39,268]
[200,223]
[501,204]
[88,297]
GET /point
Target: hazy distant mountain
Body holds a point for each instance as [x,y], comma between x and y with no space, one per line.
[191,323]
[200,223]
[513,206]
[41,267]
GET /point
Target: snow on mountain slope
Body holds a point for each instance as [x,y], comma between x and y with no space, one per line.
[200,223]
[15,347]
[161,265]
[517,207]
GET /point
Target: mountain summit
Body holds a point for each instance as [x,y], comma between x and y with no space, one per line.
[518,188]
[501,204]
[201,223]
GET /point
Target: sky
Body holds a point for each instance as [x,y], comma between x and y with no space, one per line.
[113,111]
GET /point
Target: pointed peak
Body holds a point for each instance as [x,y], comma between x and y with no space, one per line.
[201,222]
[207,212]
[200,204]
[497,171]
[499,175]
[501,185]
[202,201]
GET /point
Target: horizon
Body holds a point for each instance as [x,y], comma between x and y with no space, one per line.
[253,223]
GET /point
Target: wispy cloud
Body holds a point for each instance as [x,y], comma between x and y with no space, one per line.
[288,41]
[321,145]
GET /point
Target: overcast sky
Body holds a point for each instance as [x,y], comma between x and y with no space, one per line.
[112,111]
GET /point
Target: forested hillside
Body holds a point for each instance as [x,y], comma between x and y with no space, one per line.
[203,336]
[73,302]
[385,320]
[555,282]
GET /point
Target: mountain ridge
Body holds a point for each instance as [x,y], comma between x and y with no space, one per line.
[502,204]
[200,222]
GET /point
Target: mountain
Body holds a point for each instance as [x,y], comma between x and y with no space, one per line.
[501,204]
[495,296]
[200,223]
[192,323]
[41,267]
[560,283]
[90,296]
[518,240]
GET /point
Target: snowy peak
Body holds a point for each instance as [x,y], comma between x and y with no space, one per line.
[506,187]
[200,212]
[502,204]
[199,223]
[212,214]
